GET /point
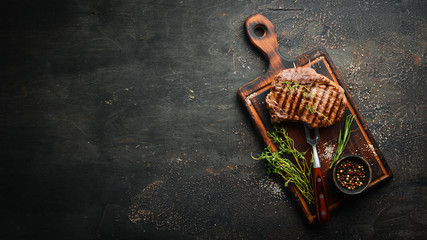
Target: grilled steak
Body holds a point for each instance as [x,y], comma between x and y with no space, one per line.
[301,94]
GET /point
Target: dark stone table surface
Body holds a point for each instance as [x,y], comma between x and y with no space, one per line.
[120,119]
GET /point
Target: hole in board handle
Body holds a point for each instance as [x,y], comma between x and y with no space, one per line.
[260,31]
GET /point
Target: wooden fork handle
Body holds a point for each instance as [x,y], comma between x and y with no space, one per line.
[322,209]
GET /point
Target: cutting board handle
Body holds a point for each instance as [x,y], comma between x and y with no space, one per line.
[261,33]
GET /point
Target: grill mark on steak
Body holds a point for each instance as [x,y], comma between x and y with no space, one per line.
[307,108]
[283,104]
[295,106]
[314,117]
[331,100]
[301,94]
[288,104]
[301,109]
[336,107]
[323,104]
[341,109]
[280,96]
[307,100]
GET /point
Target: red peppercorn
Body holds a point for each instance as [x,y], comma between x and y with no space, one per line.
[351,174]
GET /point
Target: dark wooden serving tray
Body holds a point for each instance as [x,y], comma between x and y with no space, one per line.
[262,34]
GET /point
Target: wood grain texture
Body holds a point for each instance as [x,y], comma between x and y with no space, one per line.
[119,118]
[253,94]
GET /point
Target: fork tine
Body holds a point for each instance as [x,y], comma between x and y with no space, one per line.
[307,132]
[310,140]
[316,134]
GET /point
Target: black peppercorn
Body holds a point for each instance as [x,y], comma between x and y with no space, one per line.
[351,174]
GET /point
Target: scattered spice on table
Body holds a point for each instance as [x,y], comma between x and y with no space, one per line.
[350,174]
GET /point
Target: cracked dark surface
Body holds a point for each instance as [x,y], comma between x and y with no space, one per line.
[120,120]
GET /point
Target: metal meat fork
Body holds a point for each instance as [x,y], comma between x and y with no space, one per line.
[319,185]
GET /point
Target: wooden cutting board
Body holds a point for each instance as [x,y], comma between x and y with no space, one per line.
[261,33]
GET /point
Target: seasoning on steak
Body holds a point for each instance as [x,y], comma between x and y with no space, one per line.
[301,94]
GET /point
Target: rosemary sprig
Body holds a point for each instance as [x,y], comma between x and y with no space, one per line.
[298,174]
[342,142]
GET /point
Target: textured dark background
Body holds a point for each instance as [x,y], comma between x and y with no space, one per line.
[120,119]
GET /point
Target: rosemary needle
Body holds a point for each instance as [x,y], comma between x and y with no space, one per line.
[343,139]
